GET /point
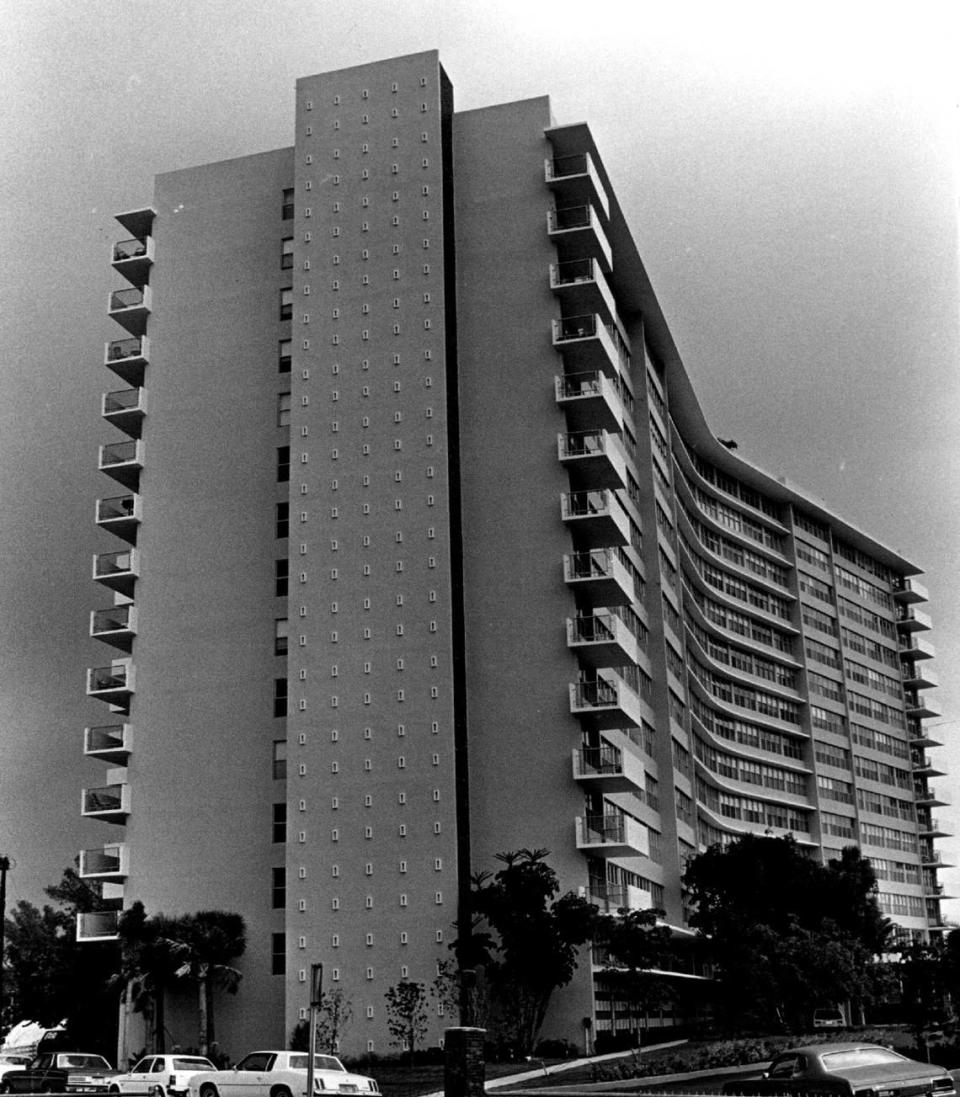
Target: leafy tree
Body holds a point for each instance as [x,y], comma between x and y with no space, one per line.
[152,950]
[452,983]
[333,1015]
[212,938]
[525,938]
[925,976]
[407,1014]
[51,977]
[635,942]
[786,932]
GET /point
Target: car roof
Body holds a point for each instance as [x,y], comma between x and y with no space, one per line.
[838,1045]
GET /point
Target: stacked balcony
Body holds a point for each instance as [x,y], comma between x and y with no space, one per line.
[113,684]
[117,570]
[931,797]
[123,461]
[607,769]
[125,409]
[589,342]
[599,577]
[116,625]
[98,925]
[593,458]
[603,639]
[908,591]
[133,257]
[106,863]
[111,803]
[130,308]
[578,233]
[596,518]
[612,833]
[591,400]
[615,897]
[108,742]
[606,701]
[911,619]
[128,358]
[919,675]
[919,707]
[575,180]
[120,515]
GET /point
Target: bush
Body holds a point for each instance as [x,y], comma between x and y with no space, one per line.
[556,1049]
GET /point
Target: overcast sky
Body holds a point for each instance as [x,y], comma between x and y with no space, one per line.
[789,170]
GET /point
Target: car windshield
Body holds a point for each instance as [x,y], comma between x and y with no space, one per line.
[320,1062]
[84,1062]
[860,1057]
[192,1064]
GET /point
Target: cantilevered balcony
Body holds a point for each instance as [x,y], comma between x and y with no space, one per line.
[113,684]
[108,742]
[577,233]
[130,308]
[123,461]
[107,863]
[923,766]
[133,259]
[602,639]
[911,619]
[593,458]
[932,797]
[592,400]
[596,518]
[117,570]
[581,286]
[608,769]
[933,858]
[128,358]
[919,675]
[575,179]
[120,514]
[616,897]
[928,826]
[588,342]
[98,925]
[110,803]
[913,646]
[909,591]
[125,408]
[921,707]
[116,625]
[612,834]
[601,576]
[606,701]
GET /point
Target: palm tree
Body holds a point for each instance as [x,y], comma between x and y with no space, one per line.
[213,938]
[150,951]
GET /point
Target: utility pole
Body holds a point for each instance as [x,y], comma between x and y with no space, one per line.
[316,996]
[5,865]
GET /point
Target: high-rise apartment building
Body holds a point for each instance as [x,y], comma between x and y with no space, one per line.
[427,552]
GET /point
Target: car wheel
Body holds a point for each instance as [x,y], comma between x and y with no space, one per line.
[208,1090]
[156,1091]
[5,1087]
[280,1091]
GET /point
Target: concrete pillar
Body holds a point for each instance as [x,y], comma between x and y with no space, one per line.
[464,1067]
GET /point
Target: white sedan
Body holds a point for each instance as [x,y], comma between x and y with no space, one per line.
[160,1075]
[280,1074]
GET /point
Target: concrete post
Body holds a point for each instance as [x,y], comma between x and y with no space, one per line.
[464,1067]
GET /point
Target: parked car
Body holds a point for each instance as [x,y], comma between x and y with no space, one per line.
[160,1075]
[12,1062]
[61,1072]
[828,1018]
[864,1070]
[280,1074]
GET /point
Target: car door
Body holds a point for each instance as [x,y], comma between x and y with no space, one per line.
[136,1080]
[250,1076]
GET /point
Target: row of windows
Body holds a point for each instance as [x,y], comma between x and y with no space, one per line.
[822,653]
[740,623]
[757,812]
[847,580]
[815,588]
[732,486]
[839,826]
[867,706]
[867,676]
[750,772]
[738,588]
[881,804]
[833,788]
[734,693]
[734,520]
[871,648]
[824,686]
[887,775]
[813,618]
[830,755]
[736,553]
[814,556]
[745,733]
[823,719]
[866,563]
[880,741]
[906,906]
[867,618]
[743,661]
[888,837]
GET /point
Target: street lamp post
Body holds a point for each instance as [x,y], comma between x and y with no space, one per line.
[4,869]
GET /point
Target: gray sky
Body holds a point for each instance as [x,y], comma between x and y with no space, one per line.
[790,172]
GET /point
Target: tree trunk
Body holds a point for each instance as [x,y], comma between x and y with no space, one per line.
[203,1012]
[159,1021]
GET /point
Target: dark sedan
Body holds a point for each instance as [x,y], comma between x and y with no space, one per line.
[865,1070]
[61,1072]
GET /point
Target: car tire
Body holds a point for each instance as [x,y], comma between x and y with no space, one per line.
[156,1091]
[208,1090]
[5,1087]
[280,1091]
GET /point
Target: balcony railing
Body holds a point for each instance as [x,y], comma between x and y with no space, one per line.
[133,259]
[592,399]
[613,833]
[116,625]
[919,675]
[601,575]
[582,286]
[117,570]
[123,461]
[120,514]
[604,639]
[113,684]
[108,802]
[593,458]
[911,619]
[98,925]
[596,516]
[110,742]
[128,358]
[576,176]
[606,759]
[605,700]
[103,863]
[909,590]
[589,341]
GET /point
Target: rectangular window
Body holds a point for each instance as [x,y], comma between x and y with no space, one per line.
[278,953]
[283,464]
[284,403]
[283,520]
[279,697]
[281,630]
[286,253]
[278,888]
[287,207]
[279,759]
[285,355]
[280,822]
[286,304]
[281,577]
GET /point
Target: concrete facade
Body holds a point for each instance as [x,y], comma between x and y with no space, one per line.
[438,558]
